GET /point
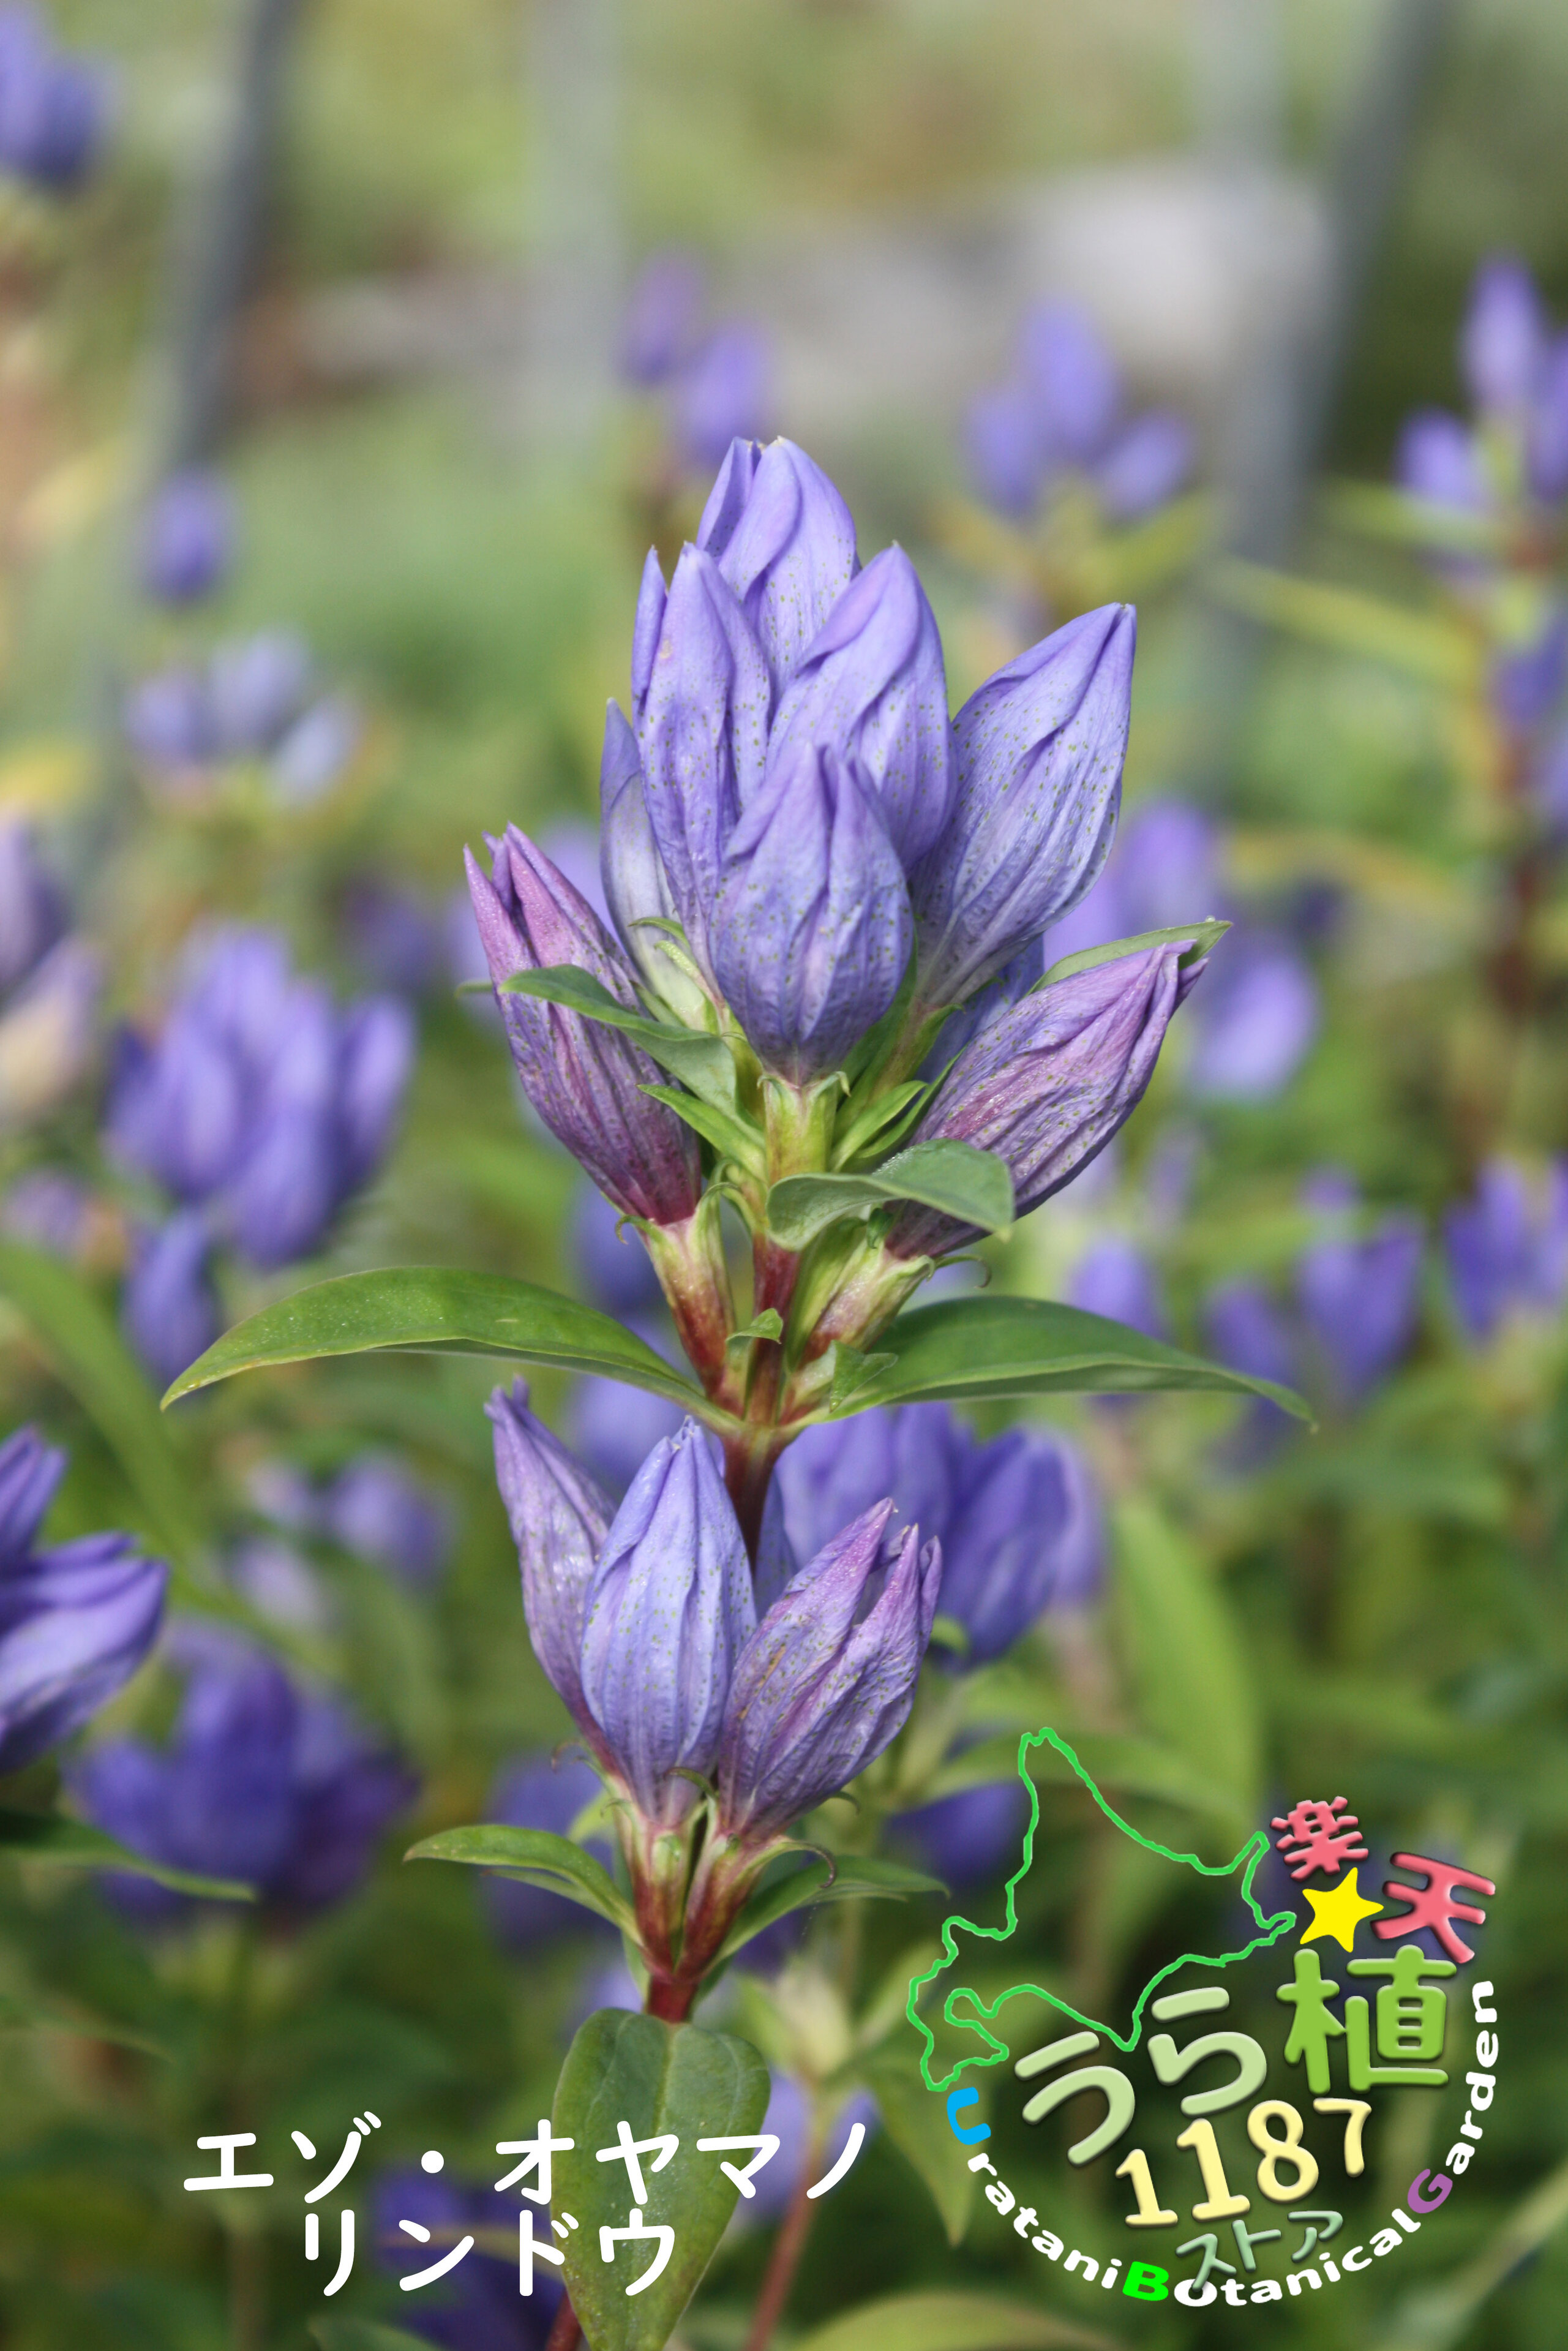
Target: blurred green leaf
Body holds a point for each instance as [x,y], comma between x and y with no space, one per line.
[950,2321]
[363,2334]
[34,2016]
[917,2126]
[982,1349]
[1204,936]
[704,1063]
[65,1843]
[1132,1766]
[535,1856]
[436,1310]
[1378,510]
[1195,1686]
[854,1877]
[659,2078]
[91,1359]
[975,1186]
[1423,644]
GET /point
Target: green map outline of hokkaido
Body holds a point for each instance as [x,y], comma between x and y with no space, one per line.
[983,2013]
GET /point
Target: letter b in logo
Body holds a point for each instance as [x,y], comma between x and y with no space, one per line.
[1145,2283]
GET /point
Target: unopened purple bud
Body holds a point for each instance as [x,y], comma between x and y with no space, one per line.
[651,597]
[634,885]
[1005,446]
[669,1610]
[282,1195]
[313,752]
[1255,1020]
[1546,446]
[538,1792]
[615,1427]
[377,1511]
[1039,750]
[54,109]
[1025,1535]
[1359,1299]
[1508,1247]
[168,720]
[1067,360]
[1440,459]
[1526,684]
[376,1047]
[702,736]
[1116,1279]
[1502,342]
[255,688]
[663,314]
[171,1309]
[32,911]
[872,686]
[1146,466]
[727,391]
[560,1515]
[822,1687]
[74,1621]
[1249,1330]
[918,1456]
[727,499]
[188,537]
[1048,1083]
[583,1077]
[789,555]
[812,931]
[976,1834]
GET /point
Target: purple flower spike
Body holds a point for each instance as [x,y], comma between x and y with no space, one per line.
[1360,1296]
[188,537]
[74,1621]
[584,1078]
[559,1516]
[1503,340]
[1039,750]
[726,390]
[812,931]
[821,1689]
[631,873]
[32,911]
[669,1610]
[727,499]
[702,736]
[1025,1536]
[1079,386]
[1149,463]
[789,554]
[1050,1082]
[664,315]
[873,685]
[170,1308]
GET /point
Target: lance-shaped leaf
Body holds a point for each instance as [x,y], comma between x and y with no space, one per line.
[436,1310]
[1200,938]
[849,1879]
[535,1856]
[363,2334]
[65,1843]
[948,1175]
[704,1063]
[664,2081]
[952,2322]
[983,1349]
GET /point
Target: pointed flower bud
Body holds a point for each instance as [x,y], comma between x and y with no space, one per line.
[726,389]
[651,598]
[74,1621]
[872,685]
[703,734]
[824,1684]
[584,1078]
[1050,1082]
[1146,465]
[812,930]
[1504,342]
[170,1310]
[789,555]
[1039,750]
[1359,1294]
[727,499]
[669,1610]
[636,887]
[1075,377]
[560,1515]
[32,914]
[1440,459]
[1025,1536]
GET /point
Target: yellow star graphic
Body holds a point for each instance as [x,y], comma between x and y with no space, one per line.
[1338,1913]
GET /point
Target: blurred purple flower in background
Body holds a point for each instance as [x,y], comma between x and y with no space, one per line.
[663,317]
[1527,680]
[188,535]
[1508,1247]
[76,1620]
[170,1306]
[54,106]
[1359,1292]
[256,699]
[973,1835]
[373,1508]
[261,1782]
[536,1793]
[478,2308]
[49,985]
[394,935]
[789,2117]
[1063,411]
[719,379]
[1114,1278]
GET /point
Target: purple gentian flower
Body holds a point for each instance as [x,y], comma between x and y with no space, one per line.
[1146,465]
[1024,1535]
[725,392]
[1546,449]
[376,1511]
[615,1427]
[559,1516]
[972,1837]
[1508,1247]
[1114,1278]
[1360,1296]
[1039,750]
[477,2307]
[256,688]
[538,1791]
[76,1620]
[188,537]
[170,1308]
[1006,448]
[584,1078]
[1079,386]
[918,1454]
[663,317]
[784,541]
[32,909]
[54,107]
[1502,343]
[1527,680]
[1250,1333]
[1440,459]
[1254,1021]
[812,930]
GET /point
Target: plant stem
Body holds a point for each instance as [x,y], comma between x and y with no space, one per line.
[785,2259]
[247,2274]
[567,2331]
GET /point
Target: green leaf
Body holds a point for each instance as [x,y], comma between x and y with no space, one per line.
[987,1348]
[363,2334]
[1195,1689]
[1125,1766]
[1380,511]
[882,1122]
[1204,936]
[916,2125]
[728,1133]
[855,1878]
[65,1843]
[439,1310]
[769,1325]
[80,1338]
[975,1186]
[535,1856]
[1423,644]
[705,1063]
[851,1370]
[660,2079]
[30,2016]
[950,2321]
